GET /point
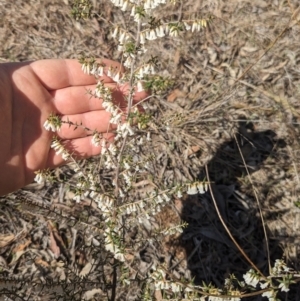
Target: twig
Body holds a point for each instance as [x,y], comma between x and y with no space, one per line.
[226,228]
[258,204]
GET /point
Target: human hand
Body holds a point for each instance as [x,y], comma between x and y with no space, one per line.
[29,93]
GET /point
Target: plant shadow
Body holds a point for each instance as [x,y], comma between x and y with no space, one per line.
[211,255]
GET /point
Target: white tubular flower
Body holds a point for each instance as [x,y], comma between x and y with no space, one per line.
[173,32]
[142,38]
[152,69]
[122,38]
[85,68]
[112,148]
[203,23]
[160,31]
[94,70]
[151,35]
[49,126]
[175,287]
[57,146]
[187,26]
[65,155]
[132,13]
[124,6]
[179,194]
[140,87]
[100,71]
[148,138]
[192,189]
[128,62]
[115,33]
[141,73]
[194,26]
[53,123]
[116,77]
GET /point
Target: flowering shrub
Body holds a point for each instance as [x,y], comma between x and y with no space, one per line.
[127,164]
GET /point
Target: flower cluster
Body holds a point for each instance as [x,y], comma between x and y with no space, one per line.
[197,187]
[60,149]
[53,123]
[280,267]
[42,176]
[251,278]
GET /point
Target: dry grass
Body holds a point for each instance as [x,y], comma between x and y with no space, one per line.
[236,93]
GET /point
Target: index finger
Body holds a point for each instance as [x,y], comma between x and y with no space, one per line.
[56,74]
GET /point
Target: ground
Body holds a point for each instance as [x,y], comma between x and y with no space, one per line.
[233,113]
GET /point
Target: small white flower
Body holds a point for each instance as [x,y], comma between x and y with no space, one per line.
[124,7]
[140,87]
[65,155]
[173,32]
[194,26]
[109,73]
[270,295]
[151,35]
[187,26]
[148,138]
[115,33]
[283,286]
[116,77]
[128,62]
[112,148]
[85,68]
[179,194]
[142,38]
[94,70]
[122,37]
[100,71]
[132,13]
[160,31]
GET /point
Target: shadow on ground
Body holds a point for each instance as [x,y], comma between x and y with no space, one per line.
[211,255]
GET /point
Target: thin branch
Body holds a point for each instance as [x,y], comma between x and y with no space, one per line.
[226,228]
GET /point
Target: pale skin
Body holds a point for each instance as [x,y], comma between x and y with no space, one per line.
[29,92]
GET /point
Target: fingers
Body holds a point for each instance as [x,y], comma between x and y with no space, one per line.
[57,74]
[95,120]
[80,148]
[77,100]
